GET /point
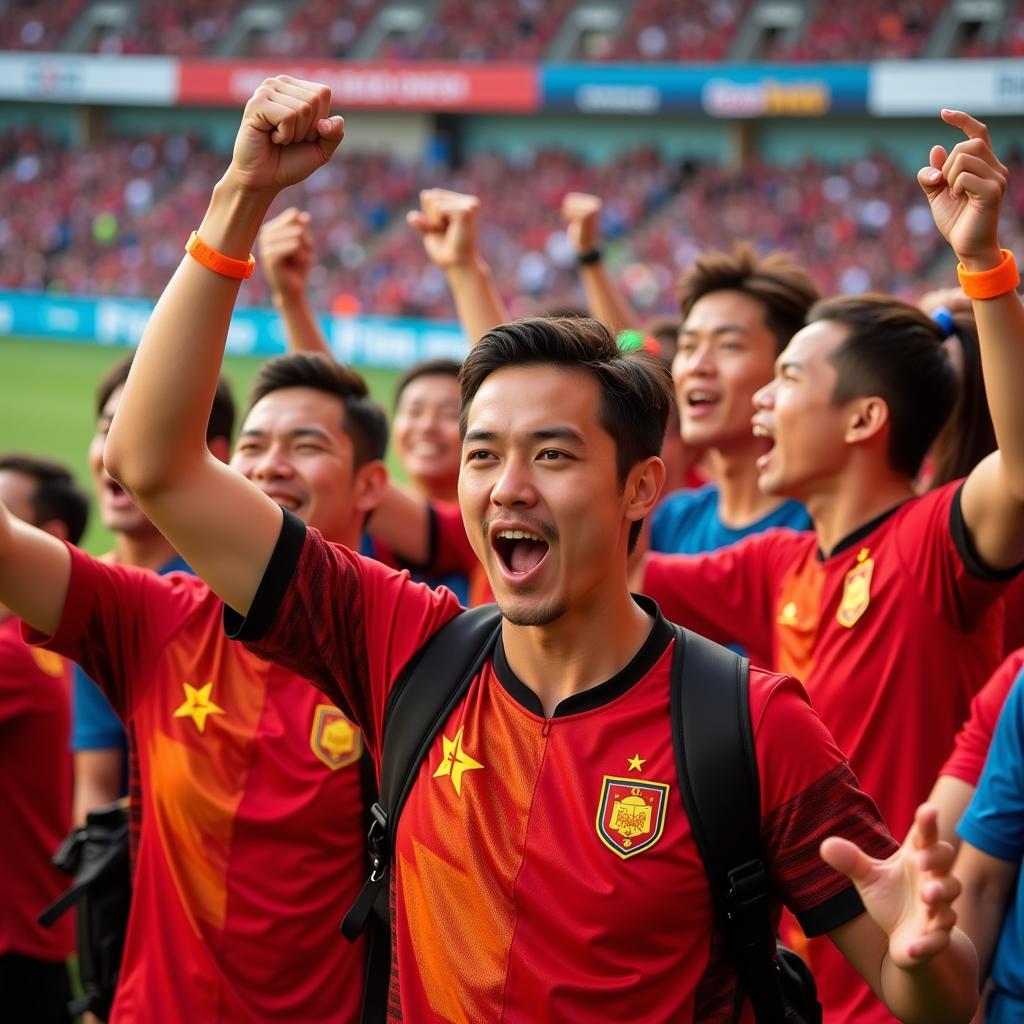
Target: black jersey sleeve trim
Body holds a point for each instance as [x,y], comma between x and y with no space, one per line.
[964,544]
[276,579]
[835,911]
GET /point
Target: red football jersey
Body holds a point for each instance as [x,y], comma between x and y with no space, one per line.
[892,634]
[544,870]
[35,794]
[972,742]
[252,844]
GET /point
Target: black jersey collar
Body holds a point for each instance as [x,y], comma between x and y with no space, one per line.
[603,693]
[860,533]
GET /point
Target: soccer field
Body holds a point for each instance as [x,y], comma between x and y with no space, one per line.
[46,402]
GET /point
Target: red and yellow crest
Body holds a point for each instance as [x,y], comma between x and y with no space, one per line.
[631,814]
[335,740]
[856,591]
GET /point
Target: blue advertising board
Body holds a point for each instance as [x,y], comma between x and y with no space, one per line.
[361,340]
[717,90]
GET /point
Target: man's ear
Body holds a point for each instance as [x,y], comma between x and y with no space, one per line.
[55,528]
[643,488]
[369,486]
[220,447]
[868,418]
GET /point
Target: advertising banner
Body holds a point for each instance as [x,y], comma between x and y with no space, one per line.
[362,340]
[907,88]
[717,90]
[85,78]
[442,87]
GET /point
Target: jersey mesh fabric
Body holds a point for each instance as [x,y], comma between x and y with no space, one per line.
[892,634]
[519,893]
[252,824]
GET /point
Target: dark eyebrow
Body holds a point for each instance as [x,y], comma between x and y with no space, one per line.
[723,329]
[291,435]
[544,434]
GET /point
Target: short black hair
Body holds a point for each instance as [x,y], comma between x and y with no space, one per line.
[894,351]
[363,419]
[56,495]
[426,368]
[783,287]
[222,414]
[635,388]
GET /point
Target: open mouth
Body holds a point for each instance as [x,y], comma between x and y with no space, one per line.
[520,551]
[699,402]
[765,435]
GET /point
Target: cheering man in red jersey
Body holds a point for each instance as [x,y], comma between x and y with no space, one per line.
[890,610]
[251,840]
[501,848]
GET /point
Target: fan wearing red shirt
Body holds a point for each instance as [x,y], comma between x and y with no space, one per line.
[890,611]
[251,842]
[530,884]
[35,768]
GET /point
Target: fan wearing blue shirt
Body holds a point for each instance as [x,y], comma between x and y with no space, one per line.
[991,906]
[739,311]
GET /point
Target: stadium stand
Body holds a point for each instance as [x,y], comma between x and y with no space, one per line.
[522,30]
[107,220]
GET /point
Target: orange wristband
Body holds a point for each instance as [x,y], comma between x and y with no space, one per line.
[989,284]
[217,261]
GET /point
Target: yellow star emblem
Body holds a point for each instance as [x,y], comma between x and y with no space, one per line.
[636,763]
[455,762]
[198,705]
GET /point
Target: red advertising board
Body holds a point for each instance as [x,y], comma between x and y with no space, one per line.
[441,87]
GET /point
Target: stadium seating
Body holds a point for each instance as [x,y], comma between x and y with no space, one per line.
[113,219]
[522,30]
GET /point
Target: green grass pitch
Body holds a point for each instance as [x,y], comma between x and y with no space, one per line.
[46,402]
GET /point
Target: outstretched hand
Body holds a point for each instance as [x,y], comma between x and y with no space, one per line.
[287,132]
[447,224]
[965,190]
[287,251]
[582,215]
[910,895]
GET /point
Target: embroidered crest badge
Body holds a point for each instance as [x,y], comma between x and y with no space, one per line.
[631,814]
[334,739]
[856,591]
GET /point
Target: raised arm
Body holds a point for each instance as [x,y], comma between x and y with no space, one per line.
[447,224]
[582,215]
[221,524]
[965,189]
[287,253]
[34,571]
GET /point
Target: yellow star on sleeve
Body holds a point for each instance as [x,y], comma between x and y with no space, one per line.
[198,706]
[455,761]
[636,763]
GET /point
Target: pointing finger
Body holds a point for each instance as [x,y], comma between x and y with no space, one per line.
[970,126]
[926,821]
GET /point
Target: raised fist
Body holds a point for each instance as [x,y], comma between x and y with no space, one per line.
[447,224]
[287,132]
[582,215]
[287,252]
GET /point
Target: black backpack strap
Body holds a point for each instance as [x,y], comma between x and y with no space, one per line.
[715,759]
[422,699]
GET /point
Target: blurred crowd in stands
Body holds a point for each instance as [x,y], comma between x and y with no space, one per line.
[521,30]
[109,220]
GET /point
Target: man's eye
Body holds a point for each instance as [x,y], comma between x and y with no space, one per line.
[552,455]
[478,455]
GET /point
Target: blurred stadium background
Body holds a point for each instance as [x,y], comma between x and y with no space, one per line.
[798,123]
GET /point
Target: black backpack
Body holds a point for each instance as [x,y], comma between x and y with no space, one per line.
[717,769]
[96,854]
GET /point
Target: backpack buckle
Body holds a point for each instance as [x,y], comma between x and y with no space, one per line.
[377,842]
[748,889]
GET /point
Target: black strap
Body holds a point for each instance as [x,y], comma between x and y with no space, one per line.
[422,699]
[717,766]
